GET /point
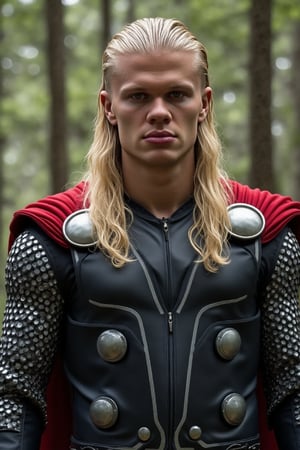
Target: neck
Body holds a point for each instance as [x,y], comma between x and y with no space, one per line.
[160,193]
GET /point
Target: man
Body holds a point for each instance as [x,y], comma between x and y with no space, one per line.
[167,291]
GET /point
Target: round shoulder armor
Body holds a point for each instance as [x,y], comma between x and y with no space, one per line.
[247,222]
[78,229]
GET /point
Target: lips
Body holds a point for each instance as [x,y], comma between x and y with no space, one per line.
[159,136]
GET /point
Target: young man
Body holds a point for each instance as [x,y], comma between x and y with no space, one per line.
[168,292]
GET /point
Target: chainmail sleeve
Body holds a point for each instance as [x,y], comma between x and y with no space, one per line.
[281,328]
[30,330]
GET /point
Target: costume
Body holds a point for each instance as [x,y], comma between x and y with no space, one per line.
[51,212]
[135,310]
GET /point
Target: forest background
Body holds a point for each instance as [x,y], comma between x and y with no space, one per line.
[50,53]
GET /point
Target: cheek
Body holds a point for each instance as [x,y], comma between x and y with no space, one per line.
[126,129]
[191,126]
[191,120]
[193,112]
[129,120]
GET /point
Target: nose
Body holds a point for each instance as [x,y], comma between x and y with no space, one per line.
[159,111]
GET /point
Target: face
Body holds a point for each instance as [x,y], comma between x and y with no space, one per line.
[156,101]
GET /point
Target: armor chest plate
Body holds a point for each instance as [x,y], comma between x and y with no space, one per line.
[162,352]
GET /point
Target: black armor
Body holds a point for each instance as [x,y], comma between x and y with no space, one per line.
[161,354]
[187,329]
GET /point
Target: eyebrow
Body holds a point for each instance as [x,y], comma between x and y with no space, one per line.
[130,87]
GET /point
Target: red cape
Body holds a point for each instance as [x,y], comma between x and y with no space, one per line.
[50,213]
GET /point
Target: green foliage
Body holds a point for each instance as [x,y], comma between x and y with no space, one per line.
[223,26]
[285,11]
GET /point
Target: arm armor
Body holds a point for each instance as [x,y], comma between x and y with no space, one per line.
[281,344]
[28,344]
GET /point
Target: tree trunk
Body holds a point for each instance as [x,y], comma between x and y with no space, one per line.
[2,142]
[131,11]
[106,22]
[58,155]
[296,99]
[261,168]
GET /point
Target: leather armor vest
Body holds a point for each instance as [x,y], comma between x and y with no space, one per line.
[162,354]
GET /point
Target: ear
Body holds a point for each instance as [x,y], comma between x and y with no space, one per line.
[105,99]
[206,100]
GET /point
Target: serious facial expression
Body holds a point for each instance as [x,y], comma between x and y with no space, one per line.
[156,101]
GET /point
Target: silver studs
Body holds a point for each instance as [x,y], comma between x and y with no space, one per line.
[30,284]
[78,229]
[247,222]
[228,343]
[195,432]
[104,412]
[234,409]
[112,345]
[144,434]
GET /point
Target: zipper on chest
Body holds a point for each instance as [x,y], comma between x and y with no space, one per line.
[165,228]
[168,301]
[171,393]
[170,326]
[170,322]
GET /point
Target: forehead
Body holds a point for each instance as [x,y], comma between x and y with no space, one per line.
[173,67]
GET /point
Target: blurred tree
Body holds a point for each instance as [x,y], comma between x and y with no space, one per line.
[25,103]
[2,147]
[2,139]
[131,11]
[260,69]
[228,64]
[105,6]
[58,156]
[295,94]
[223,26]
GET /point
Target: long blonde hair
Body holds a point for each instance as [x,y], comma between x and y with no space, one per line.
[105,195]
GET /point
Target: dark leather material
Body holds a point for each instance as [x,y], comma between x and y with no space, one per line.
[286,429]
[11,440]
[170,310]
[29,436]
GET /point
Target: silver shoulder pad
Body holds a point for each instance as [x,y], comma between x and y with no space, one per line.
[247,222]
[78,229]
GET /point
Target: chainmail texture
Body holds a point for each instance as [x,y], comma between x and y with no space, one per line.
[281,328]
[34,311]
[30,330]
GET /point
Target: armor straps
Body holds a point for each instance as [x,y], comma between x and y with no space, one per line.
[247,223]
